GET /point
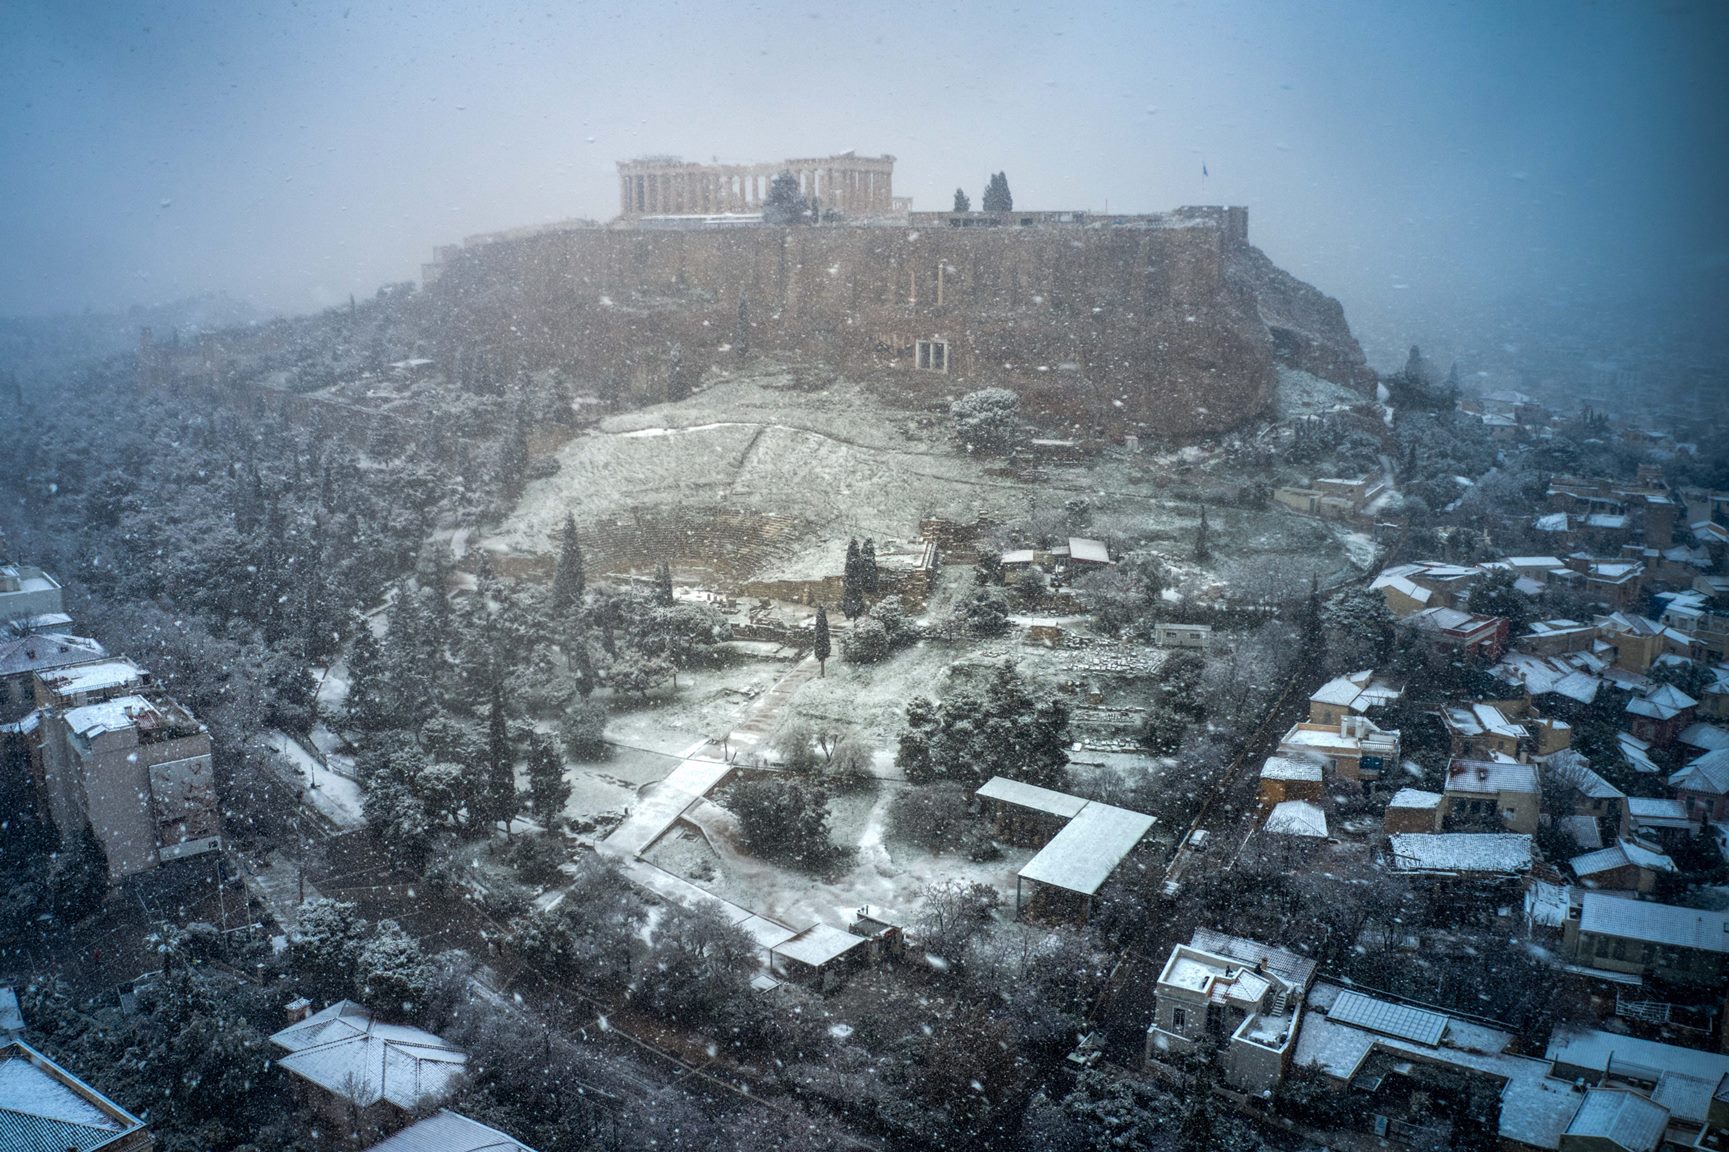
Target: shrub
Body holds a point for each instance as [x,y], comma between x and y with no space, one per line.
[987,420]
[582,729]
[783,818]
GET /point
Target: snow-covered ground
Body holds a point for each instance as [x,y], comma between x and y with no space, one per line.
[838,463]
[1300,394]
[885,872]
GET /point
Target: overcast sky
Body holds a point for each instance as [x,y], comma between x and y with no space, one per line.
[1429,164]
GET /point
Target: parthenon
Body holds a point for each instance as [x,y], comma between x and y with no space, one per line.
[664,186]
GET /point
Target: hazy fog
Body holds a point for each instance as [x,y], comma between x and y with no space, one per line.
[1453,173]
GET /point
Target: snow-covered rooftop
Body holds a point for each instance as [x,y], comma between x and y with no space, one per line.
[101,676]
[115,715]
[1340,690]
[447,1131]
[1625,1119]
[1088,551]
[1023,795]
[1535,1108]
[349,1054]
[1288,768]
[818,945]
[1082,856]
[38,650]
[1604,914]
[1287,965]
[1629,1057]
[1490,777]
[1621,854]
[43,1106]
[1707,774]
[1657,812]
[1482,852]
[1297,818]
[1415,798]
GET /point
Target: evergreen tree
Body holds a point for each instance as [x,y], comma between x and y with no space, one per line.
[851,591]
[1312,637]
[741,329]
[582,664]
[365,702]
[962,202]
[1203,546]
[501,799]
[438,586]
[547,787]
[567,581]
[784,204]
[783,818]
[513,462]
[997,197]
[412,664]
[663,584]
[869,577]
[1416,371]
[821,647]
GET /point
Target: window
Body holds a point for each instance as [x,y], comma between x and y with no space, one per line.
[933,355]
[1179,1019]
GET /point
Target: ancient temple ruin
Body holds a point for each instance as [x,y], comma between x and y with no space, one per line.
[666,186]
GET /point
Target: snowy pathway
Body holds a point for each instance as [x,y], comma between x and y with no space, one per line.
[278,886]
[335,797]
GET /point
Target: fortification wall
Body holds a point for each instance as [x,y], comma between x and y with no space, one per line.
[1101,330]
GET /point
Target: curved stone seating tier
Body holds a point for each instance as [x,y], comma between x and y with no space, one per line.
[732,543]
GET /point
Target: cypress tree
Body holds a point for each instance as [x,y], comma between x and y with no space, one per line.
[851,594]
[567,580]
[962,202]
[501,798]
[997,197]
[547,787]
[868,575]
[582,665]
[365,707]
[513,462]
[663,583]
[821,647]
[1312,640]
[1416,372]
[1203,546]
[741,330]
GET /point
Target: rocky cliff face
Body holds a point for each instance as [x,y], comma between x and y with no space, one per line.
[1307,327]
[1165,331]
